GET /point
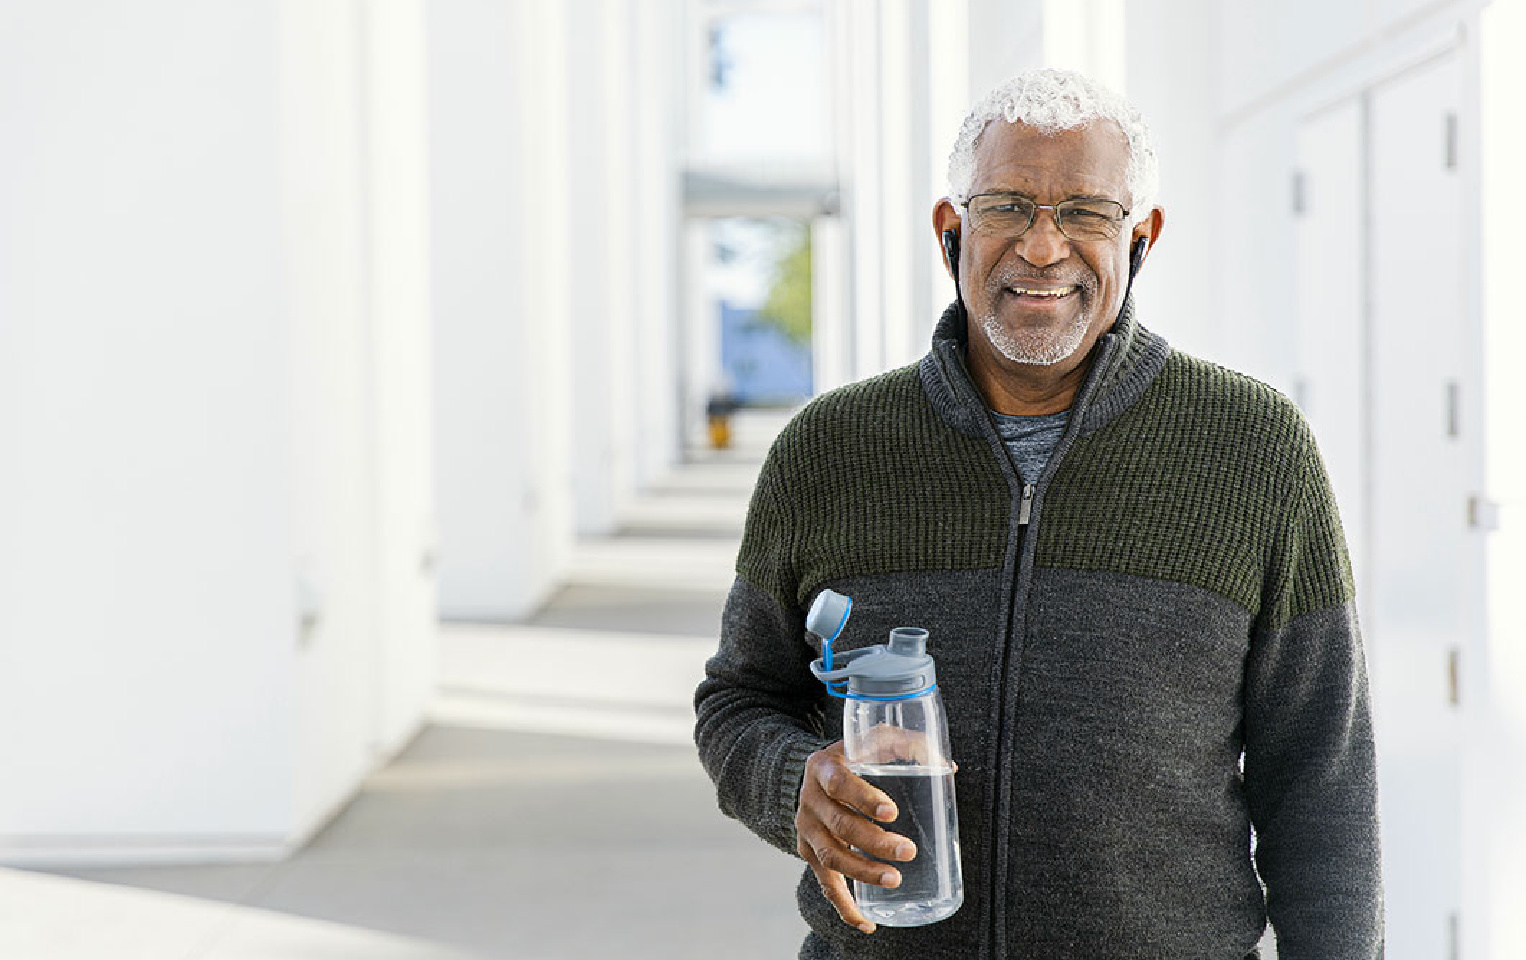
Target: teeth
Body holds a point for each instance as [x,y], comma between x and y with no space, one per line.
[1062,291]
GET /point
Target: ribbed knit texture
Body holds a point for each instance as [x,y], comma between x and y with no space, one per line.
[1166,655]
[1195,484]
[890,490]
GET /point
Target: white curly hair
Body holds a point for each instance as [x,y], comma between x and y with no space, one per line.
[1054,100]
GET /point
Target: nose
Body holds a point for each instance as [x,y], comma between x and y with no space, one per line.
[1043,244]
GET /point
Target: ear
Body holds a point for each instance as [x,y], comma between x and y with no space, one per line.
[1148,230]
[946,220]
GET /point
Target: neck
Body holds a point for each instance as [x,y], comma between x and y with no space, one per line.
[1021,389]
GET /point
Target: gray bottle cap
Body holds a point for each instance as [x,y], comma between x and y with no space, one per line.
[896,669]
[828,614]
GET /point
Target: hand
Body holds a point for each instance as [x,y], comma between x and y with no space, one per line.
[832,818]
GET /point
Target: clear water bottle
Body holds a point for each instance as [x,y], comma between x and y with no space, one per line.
[895,736]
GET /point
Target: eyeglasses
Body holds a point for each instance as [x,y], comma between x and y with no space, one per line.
[1010,215]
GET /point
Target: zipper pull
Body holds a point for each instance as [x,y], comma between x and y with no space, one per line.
[1027,507]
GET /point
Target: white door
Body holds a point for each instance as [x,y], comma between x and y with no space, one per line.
[1381,327]
[1418,592]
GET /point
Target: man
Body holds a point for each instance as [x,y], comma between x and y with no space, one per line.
[1134,577]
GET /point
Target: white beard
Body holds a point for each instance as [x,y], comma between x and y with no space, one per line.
[1038,347]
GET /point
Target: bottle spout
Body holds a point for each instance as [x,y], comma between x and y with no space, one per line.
[908,641]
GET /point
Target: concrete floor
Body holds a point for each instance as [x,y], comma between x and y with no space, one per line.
[553,809]
[510,845]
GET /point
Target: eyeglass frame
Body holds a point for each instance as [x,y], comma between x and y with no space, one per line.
[1054,213]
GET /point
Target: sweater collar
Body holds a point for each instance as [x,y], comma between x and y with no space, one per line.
[1124,362]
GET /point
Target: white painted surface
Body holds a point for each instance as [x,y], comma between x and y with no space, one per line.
[193,261]
[401,656]
[146,601]
[496,555]
[1330,329]
[1419,503]
[1172,79]
[656,410]
[333,446]
[1495,761]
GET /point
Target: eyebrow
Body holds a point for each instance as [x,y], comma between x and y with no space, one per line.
[1025,196]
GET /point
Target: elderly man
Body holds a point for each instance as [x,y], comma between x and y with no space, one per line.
[1132,569]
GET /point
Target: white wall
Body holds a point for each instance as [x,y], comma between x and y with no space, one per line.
[1173,62]
[192,363]
[900,99]
[1236,116]
[490,225]
[553,159]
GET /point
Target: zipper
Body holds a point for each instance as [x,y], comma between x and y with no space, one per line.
[1022,574]
[1022,577]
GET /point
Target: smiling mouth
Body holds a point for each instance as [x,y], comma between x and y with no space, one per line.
[1043,293]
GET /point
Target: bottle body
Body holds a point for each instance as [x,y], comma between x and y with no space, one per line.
[901,747]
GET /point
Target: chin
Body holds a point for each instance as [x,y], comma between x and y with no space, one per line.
[1043,347]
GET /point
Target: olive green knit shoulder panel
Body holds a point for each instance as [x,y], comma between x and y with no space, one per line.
[866,480]
[1211,479]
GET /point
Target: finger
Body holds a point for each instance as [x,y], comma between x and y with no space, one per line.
[849,789]
[835,887]
[828,852]
[847,827]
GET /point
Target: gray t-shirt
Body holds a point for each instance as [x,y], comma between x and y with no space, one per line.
[1031,440]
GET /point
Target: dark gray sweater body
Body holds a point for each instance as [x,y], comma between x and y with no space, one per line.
[1179,602]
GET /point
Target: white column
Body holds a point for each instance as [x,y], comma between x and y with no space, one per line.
[395,84]
[702,331]
[1088,35]
[898,196]
[147,612]
[547,322]
[624,231]
[218,435]
[831,359]
[1176,86]
[332,392]
[948,100]
[497,311]
[657,87]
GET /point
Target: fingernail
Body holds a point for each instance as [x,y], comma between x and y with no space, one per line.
[866,928]
[890,879]
[905,851]
[884,812]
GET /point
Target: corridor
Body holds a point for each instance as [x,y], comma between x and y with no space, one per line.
[552,809]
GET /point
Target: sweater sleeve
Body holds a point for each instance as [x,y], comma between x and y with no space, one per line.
[1310,778]
[758,710]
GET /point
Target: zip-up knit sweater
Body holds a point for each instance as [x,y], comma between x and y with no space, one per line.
[1143,654]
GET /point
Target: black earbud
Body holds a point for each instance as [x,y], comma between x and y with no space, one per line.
[1136,256]
[951,251]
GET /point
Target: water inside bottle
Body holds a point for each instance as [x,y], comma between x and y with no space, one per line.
[931,887]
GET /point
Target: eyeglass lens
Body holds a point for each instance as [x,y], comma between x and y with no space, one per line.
[1077,219]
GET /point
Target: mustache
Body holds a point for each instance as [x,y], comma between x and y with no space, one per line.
[1014,277]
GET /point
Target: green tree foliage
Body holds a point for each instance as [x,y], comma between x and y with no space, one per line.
[788,307]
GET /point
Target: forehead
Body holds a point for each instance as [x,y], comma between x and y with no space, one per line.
[1090,160]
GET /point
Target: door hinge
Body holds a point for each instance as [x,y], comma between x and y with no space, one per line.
[1454,676]
[1451,141]
[1300,193]
[1483,514]
[1454,409]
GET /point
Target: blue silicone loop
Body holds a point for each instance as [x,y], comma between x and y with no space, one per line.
[849,695]
[826,642]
